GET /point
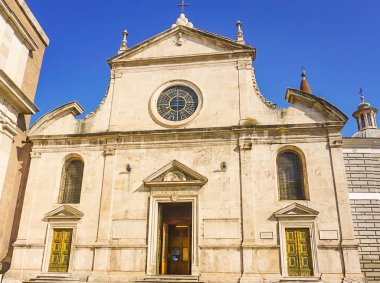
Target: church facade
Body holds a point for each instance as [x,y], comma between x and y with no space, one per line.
[186,173]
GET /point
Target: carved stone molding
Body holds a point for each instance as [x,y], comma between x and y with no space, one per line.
[173,194]
[244,65]
[246,144]
[35,154]
[109,150]
[336,142]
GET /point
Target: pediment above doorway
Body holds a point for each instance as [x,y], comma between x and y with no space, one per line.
[175,174]
[296,211]
[64,212]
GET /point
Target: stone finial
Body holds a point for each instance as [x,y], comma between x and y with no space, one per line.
[183,21]
[304,84]
[123,46]
[239,35]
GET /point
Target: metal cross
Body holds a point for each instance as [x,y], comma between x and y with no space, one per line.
[183,5]
[361,95]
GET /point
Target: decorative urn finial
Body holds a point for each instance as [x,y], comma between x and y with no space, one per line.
[123,46]
[239,35]
[304,84]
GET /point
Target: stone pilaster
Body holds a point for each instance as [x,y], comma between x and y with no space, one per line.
[101,260]
[247,210]
[349,245]
[114,113]
[244,69]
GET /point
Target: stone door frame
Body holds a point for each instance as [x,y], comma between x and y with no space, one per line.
[298,225]
[154,202]
[49,240]
[63,217]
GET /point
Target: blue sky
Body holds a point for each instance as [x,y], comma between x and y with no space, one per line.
[338,42]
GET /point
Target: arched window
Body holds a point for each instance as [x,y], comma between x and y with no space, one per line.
[290,176]
[71,183]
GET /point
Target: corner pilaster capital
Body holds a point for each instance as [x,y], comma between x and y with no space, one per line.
[8,129]
[35,154]
[245,144]
[244,65]
[336,141]
[116,73]
[109,150]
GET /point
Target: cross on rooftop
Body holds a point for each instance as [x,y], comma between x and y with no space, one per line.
[361,94]
[183,5]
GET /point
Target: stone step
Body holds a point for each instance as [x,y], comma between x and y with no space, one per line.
[170,279]
[303,280]
[52,279]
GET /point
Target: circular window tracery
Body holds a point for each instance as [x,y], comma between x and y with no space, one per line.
[176,103]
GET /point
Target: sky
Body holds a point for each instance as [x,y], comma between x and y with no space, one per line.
[337,42]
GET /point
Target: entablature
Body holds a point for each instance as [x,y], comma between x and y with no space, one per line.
[284,134]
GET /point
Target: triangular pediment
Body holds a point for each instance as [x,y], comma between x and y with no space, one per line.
[64,212]
[175,174]
[181,41]
[296,211]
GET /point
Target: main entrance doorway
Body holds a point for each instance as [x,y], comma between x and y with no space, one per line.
[174,238]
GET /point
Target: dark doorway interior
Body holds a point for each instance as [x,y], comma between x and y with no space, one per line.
[174,247]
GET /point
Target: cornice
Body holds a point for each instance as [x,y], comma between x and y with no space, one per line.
[206,57]
[361,143]
[33,21]
[11,18]
[8,129]
[275,128]
[15,95]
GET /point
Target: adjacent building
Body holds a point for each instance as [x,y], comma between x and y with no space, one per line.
[22,46]
[362,158]
[186,173]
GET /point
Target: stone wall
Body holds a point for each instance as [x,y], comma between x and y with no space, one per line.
[363,175]
[366,217]
[363,172]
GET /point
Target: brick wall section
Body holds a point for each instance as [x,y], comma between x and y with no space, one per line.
[366,217]
[363,176]
[363,172]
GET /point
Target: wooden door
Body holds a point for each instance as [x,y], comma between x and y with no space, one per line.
[60,250]
[179,250]
[298,251]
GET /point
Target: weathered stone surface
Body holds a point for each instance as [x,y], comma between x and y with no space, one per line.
[134,161]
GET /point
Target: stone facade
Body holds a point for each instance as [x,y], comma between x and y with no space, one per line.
[362,158]
[22,45]
[221,160]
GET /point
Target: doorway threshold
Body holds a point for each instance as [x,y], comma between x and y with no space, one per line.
[170,279]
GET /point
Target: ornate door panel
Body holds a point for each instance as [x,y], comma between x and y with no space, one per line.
[60,250]
[298,252]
